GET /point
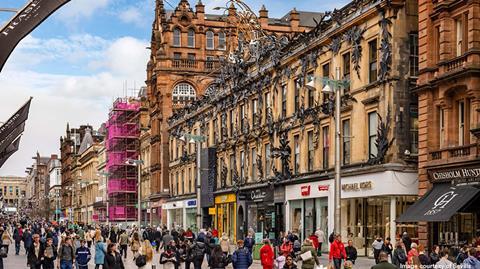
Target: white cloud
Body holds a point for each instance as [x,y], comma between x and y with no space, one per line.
[132,15]
[62,98]
[78,9]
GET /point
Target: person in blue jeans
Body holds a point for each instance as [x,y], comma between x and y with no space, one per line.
[66,254]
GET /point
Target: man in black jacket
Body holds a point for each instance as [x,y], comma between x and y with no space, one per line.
[35,253]
[351,252]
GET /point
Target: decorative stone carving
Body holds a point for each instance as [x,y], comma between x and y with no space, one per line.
[354,36]
[382,142]
[385,47]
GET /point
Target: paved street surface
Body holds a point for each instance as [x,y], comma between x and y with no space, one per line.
[20,262]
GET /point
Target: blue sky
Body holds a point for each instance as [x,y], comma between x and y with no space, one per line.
[81,58]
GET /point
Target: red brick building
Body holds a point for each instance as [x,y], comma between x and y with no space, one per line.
[449,110]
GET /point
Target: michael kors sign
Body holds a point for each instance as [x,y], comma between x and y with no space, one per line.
[367,185]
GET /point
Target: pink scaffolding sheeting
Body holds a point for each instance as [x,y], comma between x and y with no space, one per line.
[122,144]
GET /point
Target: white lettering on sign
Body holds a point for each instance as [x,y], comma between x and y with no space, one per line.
[441,202]
[24,16]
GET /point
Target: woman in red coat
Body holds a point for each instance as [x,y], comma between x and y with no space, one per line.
[286,248]
[266,255]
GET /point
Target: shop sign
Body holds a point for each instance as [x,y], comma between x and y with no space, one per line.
[227,198]
[191,203]
[366,185]
[305,190]
[260,195]
[211,211]
[463,174]
[323,187]
[259,237]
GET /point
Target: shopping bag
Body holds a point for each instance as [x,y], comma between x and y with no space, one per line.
[306,256]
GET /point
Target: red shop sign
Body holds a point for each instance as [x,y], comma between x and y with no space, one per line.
[323,187]
[305,190]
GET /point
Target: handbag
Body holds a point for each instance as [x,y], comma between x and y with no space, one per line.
[141,261]
[3,252]
[306,256]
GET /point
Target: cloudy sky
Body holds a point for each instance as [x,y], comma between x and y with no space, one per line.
[83,57]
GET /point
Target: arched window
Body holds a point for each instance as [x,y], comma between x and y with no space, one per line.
[183,93]
[210,40]
[177,37]
[191,38]
[221,41]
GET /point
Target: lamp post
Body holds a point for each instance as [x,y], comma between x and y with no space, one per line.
[336,88]
[106,175]
[138,164]
[198,140]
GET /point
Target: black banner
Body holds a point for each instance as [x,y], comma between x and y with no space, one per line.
[208,177]
[15,120]
[25,21]
[4,143]
[9,151]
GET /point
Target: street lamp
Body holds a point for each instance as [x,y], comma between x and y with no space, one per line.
[106,175]
[138,164]
[198,140]
[336,88]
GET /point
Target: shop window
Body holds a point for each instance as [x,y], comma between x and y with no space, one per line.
[296,160]
[221,41]
[372,134]
[210,40]
[326,146]
[413,131]
[268,160]
[297,95]
[459,36]
[346,70]
[191,38]
[311,152]
[231,122]
[413,60]
[310,91]
[242,165]
[254,164]
[215,127]
[254,111]
[284,101]
[232,167]
[242,118]
[461,122]
[177,37]
[346,141]
[325,74]
[372,61]
[441,127]
[436,41]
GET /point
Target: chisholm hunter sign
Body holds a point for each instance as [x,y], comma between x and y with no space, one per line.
[460,174]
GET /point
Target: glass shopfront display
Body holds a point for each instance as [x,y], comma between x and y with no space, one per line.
[308,215]
[225,208]
[176,216]
[366,218]
[190,218]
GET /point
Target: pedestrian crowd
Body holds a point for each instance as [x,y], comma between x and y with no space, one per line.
[67,246]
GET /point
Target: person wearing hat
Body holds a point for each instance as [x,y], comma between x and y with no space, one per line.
[241,258]
[83,255]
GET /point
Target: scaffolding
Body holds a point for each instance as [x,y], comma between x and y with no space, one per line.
[122,144]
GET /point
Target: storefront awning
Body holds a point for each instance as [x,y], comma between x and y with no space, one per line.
[440,203]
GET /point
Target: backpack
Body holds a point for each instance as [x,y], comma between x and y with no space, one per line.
[198,252]
[297,245]
[331,238]
[141,261]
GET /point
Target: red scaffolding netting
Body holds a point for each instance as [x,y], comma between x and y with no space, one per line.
[122,144]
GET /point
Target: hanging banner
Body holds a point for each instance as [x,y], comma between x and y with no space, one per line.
[24,22]
[4,143]
[9,151]
[15,120]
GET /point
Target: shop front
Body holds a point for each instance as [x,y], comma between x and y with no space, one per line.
[451,207]
[226,215]
[181,214]
[370,204]
[307,209]
[256,211]
[156,213]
